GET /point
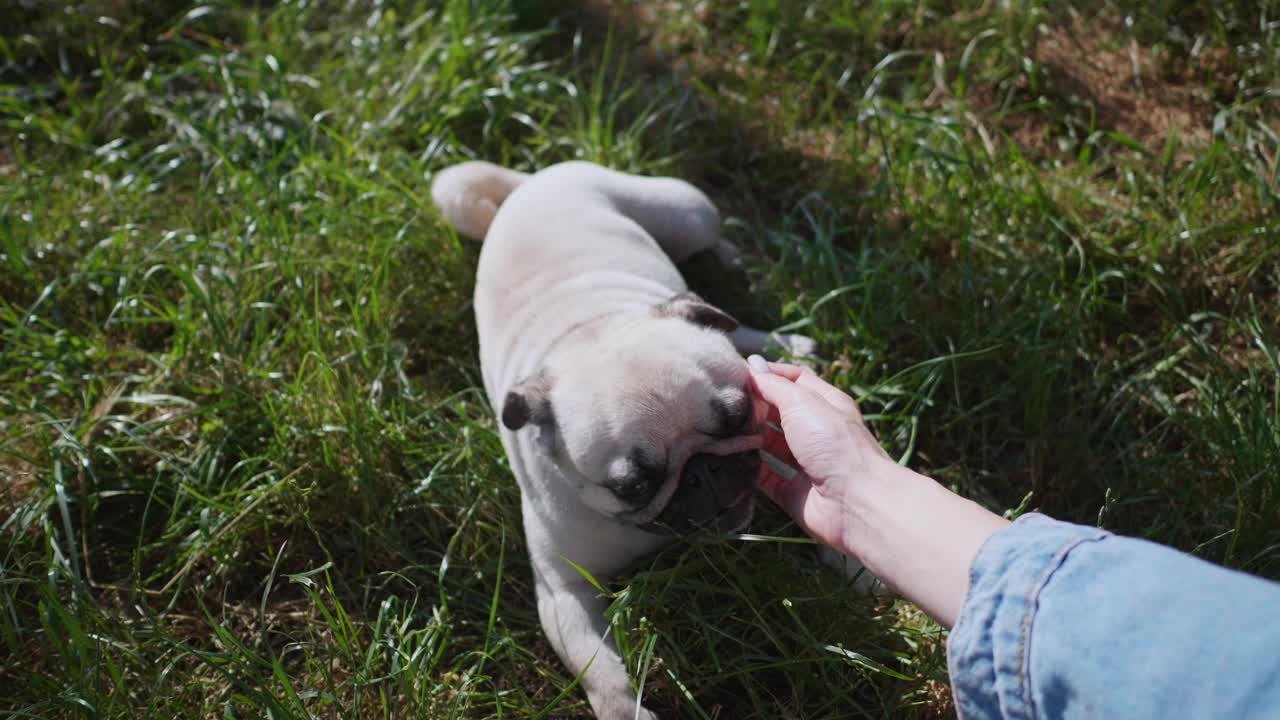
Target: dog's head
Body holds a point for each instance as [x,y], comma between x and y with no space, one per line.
[650,417]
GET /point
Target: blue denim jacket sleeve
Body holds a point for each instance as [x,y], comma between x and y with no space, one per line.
[1065,621]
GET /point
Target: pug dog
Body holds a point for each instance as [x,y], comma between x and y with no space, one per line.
[626,413]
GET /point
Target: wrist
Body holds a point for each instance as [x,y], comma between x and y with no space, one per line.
[877,495]
[919,538]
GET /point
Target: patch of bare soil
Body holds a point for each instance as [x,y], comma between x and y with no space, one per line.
[1142,92]
[8,163]
[18,477]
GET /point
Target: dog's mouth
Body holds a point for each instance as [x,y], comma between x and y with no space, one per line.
[714,494]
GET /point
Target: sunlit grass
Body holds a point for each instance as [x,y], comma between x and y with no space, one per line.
[248,468]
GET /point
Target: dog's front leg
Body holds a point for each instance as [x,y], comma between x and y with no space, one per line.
[572,614]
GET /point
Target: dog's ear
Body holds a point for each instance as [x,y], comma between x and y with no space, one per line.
[691,307]
[528,402]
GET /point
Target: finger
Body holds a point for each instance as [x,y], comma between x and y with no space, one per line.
[771,413]
[834,396]
[805,377]
[790,372]
[807,394]
[785,395]
[792,397]
[763,411]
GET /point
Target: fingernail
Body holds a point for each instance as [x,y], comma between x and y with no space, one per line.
[758,365]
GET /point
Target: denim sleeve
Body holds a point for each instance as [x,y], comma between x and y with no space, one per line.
[1065,621]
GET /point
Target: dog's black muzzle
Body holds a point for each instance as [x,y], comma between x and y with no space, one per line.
[714,494]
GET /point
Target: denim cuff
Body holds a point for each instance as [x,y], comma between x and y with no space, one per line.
[987,650]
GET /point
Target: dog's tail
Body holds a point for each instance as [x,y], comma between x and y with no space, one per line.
[469,194]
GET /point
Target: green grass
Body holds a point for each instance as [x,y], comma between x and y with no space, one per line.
[248,469]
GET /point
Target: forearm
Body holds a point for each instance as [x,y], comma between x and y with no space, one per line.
[918,537]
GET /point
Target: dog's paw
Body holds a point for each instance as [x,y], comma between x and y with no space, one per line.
[775,345]
[625,711]
[728,254]
[800,347]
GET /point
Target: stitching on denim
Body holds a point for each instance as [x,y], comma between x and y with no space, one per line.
[969,615]
[977,619]
[966,619]
[1031,602]
[980,618]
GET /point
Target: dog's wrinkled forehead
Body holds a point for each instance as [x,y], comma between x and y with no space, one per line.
[644,398]
[674,404]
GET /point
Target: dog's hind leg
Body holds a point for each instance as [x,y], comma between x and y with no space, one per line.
[678,215]
[469,194]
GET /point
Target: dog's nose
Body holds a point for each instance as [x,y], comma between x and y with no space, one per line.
[716,469]
[635,490]
[733,475]
[710,487]
[735,412]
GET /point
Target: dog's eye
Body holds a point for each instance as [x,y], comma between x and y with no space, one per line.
[647,467]
[634,489]
[637,479]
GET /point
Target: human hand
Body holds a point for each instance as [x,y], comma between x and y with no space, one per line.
[825,438]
